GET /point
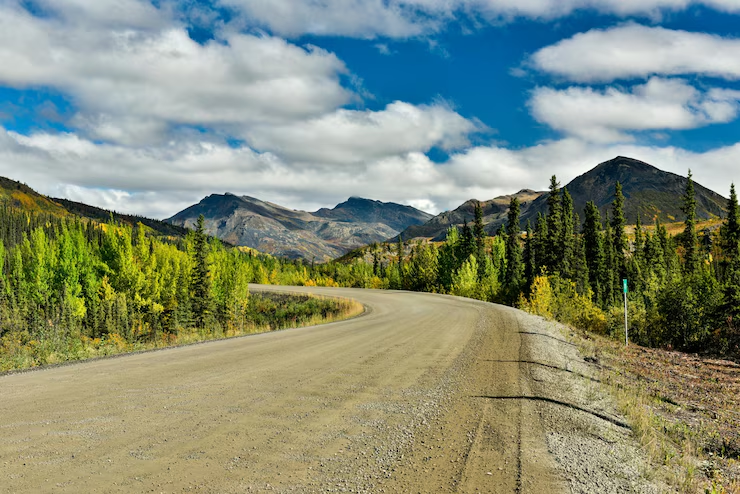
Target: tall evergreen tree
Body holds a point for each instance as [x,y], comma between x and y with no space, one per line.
[540,244]
[554,227]
[467,243]
[619,238]
[690,239]
[730,231]
[200,282]
[514,267]
[594,250]
[478,232]
[580,266]
[567,237]
[609,278]
[530,263]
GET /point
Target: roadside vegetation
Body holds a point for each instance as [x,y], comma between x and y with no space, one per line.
[72,289]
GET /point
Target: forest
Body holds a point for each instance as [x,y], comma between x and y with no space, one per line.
[72,288]
[684,289]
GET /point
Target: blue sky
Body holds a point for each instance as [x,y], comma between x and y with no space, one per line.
[146,107]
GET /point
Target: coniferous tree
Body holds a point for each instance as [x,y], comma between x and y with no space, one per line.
[689,239]
[200,282]
[554,227]
[580,266]
[619,238]
[478,232]
[448,260]
[730,230]
[567,237]
[593,247]
[467,243]
[540,244]
[609,276]
[514,267]
[399,254]
[530,263]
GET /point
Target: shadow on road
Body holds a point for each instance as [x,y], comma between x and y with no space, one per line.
[607,418]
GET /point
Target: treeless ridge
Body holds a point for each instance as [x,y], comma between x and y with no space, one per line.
[401,399]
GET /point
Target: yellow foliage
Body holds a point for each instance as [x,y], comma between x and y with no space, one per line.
[376,283]
[540,299]
[558,299]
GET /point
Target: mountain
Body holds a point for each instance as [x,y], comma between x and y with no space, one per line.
[21,196]
[494,215]
[359,210]
[103,215]
[321,235]
[649,191]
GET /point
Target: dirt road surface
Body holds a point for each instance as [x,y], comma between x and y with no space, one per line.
[423,393]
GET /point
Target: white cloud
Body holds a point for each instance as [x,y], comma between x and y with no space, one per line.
[159,181]
[410,18]
[633,50]
[350,136]
[609,115]
[130,85]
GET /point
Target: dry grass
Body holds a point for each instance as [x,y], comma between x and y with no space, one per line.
[685,410]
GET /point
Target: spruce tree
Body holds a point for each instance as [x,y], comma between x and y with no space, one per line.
[399,253]
[540,244]
[530,264]
[478,232]
[689,239]
[594,250]
[514,267]
[619,238]
[567,237]
[609,274]
[580,266]
[730,231]
[200,283]
[467,243]
[554,227]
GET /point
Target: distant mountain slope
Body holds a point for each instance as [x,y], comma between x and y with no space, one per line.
[103,215]
[323,235]
[359,210]
[494,215]
[24,197]
[649,191]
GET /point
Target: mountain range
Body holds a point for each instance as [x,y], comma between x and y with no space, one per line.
[330,233]
[321,235]
[649,192]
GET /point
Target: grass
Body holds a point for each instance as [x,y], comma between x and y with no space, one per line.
[267,311]
[684,409]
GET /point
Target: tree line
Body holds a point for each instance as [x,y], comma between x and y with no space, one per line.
[66,281]
[684,289]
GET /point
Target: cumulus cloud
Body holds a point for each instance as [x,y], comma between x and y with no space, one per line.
[632,50]
[410,18]
[351,136]
[159,181]
[609,115]
[131,84]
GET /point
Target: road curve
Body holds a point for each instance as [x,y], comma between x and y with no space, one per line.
[408,397]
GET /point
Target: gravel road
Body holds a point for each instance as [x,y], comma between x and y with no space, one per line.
[423,393]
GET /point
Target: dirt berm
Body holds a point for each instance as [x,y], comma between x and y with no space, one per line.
[424,393]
